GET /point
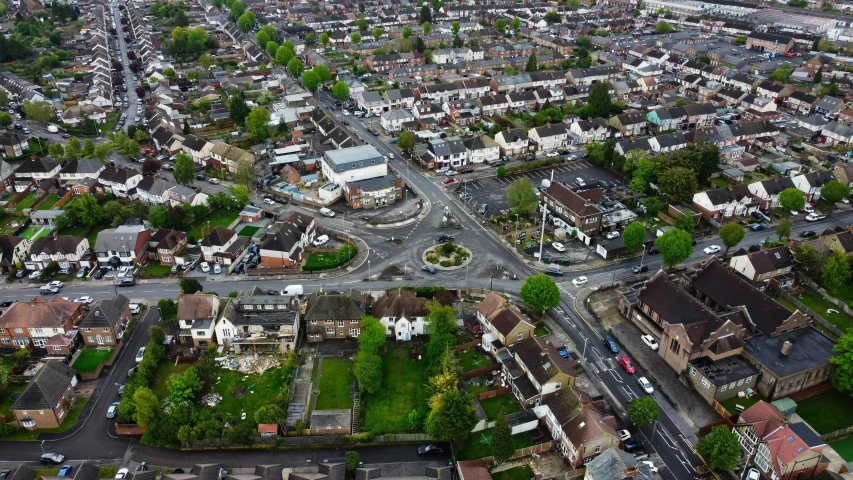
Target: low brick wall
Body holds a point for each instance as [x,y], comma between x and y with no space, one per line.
[106,363]
[466,346]
[129,429]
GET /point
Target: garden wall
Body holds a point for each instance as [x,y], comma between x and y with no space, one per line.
[106,363]
[526,452]
[129,429]
[481,371]
[493,393]
[466,346]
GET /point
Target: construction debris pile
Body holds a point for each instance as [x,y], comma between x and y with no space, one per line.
[211,399]
[249,363]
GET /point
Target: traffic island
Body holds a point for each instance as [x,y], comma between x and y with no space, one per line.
[447,256]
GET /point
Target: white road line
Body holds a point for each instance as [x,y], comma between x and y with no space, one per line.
[615,377]
[667,438]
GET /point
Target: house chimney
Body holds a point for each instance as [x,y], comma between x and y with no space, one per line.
[786,348]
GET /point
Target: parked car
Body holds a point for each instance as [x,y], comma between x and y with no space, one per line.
[807,234]
[84,299]
[757,227]
[127,282]
[651,465]
[554,271]
[140,354]
[217,269]
[430,449]
[646,385]
[52,458]
[558,247]
[122,473]
[35,275]
[611,345]
[135,308]
[712,249]
[654,251]
[444,237]
[625,363]
[269,201]
[640,268]
[56,283]
[111,412]
[100,273]
[320,241]
[612,235]
[624,434]
[65,471]
[753,474]
[632,445]
[467,170]
[579,281]
[650,341]
[814,217]
[205,267]
[448,180]
[428,268]
[82,272]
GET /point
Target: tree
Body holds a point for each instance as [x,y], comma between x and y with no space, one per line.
[406,141]
[809,258]
[782,74]
[377,33]
[643,411]
[407,32]
[502,444]
[271,48]
[168,308]
[663,27]
[720,448]
[184,169]
[792,199]
[457,42]
[836,271]
[454,417]
[731,234]
[324,39]
[157,334]
[353,460]
[271,413]
[372,335]
[4,375]
[170,74]
[842,375]
[88,210]
[600,102]
[427,26]
[704,59]
[257,123]
[553,17]
[245,173]
[532,65]
[633,236]
[322,72]
[515,23]
[521,196]
[361,23]
[237,108]
[500,25]
[675,245]
[246,21]
[368,371]
[56,151]
[185,388]
[262,37]
[295,67]
[285,52]
[540,292]
[740,40]
[38,110]
[146,404]
[500,172]
[311,80]
[355,37]
[678,183]
[833,191]
[783,228]
[340,90]
[426,15]
[5,119]
[190,286]
[818,76]
[151,166]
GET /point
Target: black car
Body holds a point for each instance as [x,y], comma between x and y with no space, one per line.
[803,234]
[7,303]
[100,273]
[199,176]
[428,268]
[757,227]
[610,345]
[467,170]
[272,292]
[430,450]
[345,122]
[640,269]
[499,163]
[631,445]
[280,200]
[554,271]
[654,251]
[444,237]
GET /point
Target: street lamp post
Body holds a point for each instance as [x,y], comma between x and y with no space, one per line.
[643,258]
[583,355]
[544,219]
[368,270]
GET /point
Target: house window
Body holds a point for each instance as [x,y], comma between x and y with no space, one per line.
[330,331]
[598,449]
[106,329]
[199,333]
[226,332]
[90,339]
[558,386]
[88,329]
[740,382]
[57,347]
[723,388]
[354,332]
[340,323]
[732,385]
[4,341]
[269,307]
[520,336]
[2,330]
[693,372]
[706,383]
[108,339]
[749,380]
[249,307]
[19,330]
[313,322]
[675,346]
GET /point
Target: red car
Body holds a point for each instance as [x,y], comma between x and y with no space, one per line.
[148,150]
[625,362]
[448,180]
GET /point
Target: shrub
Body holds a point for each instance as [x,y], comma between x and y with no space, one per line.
[415,422]
[458,259]
[446,263]
[6,430]
[352,460]
[461,251]
[432,260]
[298,426]
[446,249]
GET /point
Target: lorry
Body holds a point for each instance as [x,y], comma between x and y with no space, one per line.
[53,129]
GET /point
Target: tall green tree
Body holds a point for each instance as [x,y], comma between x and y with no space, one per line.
[532,64]
[500,25]
[311,80]
[731,233]
[540,292]
[285,52]
[340,90]
[257,123]
[38,110]
[368,371]
[675,246]
[406,141]
[246,21]
[515,23]
[184,169]
[783,228]
[836,271]
[190,286]
[146,404]
[503,446]
[842,375]
[322,72]
[809,259]
[245,173]
[237,108]
[600,102]
[427,27]
[792,199]
[833,191]
[426,14]
[521,196]
[377,34]
[633,236]
[185,387]
[643,411]
[324,39]
[295,67]
[454,418]
[372,335]
[663,27]
[271,413]
[678,183]
[89,211]
[720,448]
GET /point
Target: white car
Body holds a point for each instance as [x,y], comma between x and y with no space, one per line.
[579,281]
[217,269]
[646,385]
[123,473]
[56,283]
[269,201]
[650,342]
[140,354]
[122,272]
[321,240]
[205,267]
[553,154]
[558,247]
[451,173]
[753,474]
[813,217]
[623,434]
[712,249]
[651,465]
[612,235]
[808,209]
[346,113]
[390,156]
[134,308]
[794,213]
[35,275]
[84,300]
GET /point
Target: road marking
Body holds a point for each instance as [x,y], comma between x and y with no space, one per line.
[615,377]
[666,437]
[630,393]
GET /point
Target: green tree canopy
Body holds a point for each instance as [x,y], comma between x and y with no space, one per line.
[453,418]
[836,271]
[285,53]
[679,183]
[792,199]
[782,73]
[38,110]
[783,228]
[521,196]
[503,446]
[663,27]
[720,448]
[600,102]
[372,335]
[833,191]
[185,388]
[295,67]
[246,21]
[184,169]
[633,236]
[340,90]
[257,123]
[643,410]
[406,141]
[271,413]
[532,64]
[237,108]
[311,80]
[500,25]
[322,72]
[540,292]
[553,17]
[190,286]
[842,375]
[675,246]
[146,405]
[368,371]
[731,233]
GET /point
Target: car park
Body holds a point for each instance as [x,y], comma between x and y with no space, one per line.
[626,364]
[579,281]
[650,341]
[712,249]
[640,268]
[646,385]
[611,345]
[111,412]
[428,268]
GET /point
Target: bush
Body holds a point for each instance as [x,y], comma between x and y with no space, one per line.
[415,421]
[298,426]
[446,263]
[6,430]
[446,249]
[457,260]
[432,260]
[352,460]
[461,251]
[534,165]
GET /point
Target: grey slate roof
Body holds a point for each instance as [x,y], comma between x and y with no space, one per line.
[333,307]
[105,313]
[47,387]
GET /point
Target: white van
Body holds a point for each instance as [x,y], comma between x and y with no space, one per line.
[292,290]
[327,212]
[580,182]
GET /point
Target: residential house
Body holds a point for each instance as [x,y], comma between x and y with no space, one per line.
[615,463]
[512,142]
[722,203]
[829,106]
[549,137]
[811,183]
[164,244]
[197,314]
[573,208]
[534,368]
[223,246]
[14,250]
[593,130]
[121,182]
[334,315]
[13,144]
[629,124]
[448,152]
[81,168]
[700,115]
[32,323]
[370,102]
[666,119]
[125,245]
[503,324]
[48,397]
[68,251]
[402,313]
[198,148]
[491,105]
[482,149]
[153,190]
[105,322]
[771,43]
[259,323]
[767,191]
[764,265]
[397,119]
[802,102]
[37,169]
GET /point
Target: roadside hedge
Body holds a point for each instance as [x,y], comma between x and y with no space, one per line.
[534,165]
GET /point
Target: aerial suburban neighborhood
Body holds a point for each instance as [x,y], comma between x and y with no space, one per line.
[351,240]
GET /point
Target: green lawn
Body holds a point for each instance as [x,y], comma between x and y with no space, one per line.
[472,359]
[403,390]
[34,232]
[26,202]
[845,294]
[541,330]
[523,472]
[89,359]
[492,406]
[743,402]
[335,381]
[827,412]
[164,372]
[844,448]
[323,261]
[7,362]
[820,306]
[6,398]
[107,472]
[720,182]
[220,218]
[478,445]
[248,231]
[155,270]
[48,202]
[8,225]
[265,389]
[47,472]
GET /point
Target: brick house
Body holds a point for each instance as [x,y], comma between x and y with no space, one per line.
[121,246]
[48,397]
[503,324]
[534,368]
[197,314]
[334,315]
[13,250]
[104,324]
[763,265]
[223,246]
[572,208]
[66,250]
[32,323]
[164,244]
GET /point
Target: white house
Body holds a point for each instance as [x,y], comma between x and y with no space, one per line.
[65,250]
[120,181]
[549,137]
[393,120]
[353,164]
[595,130]
[482,149]
[513,142]
[402,313]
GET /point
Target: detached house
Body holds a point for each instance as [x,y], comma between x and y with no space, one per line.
[48,397]
[223,246]
[402,313]
[164,244]
[197,314]
[503,324]
[120,181]
[573,208]
[122,246]
[13,249]
[105,323]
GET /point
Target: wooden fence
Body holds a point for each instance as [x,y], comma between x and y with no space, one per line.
[466,346]
[525,452]
[129,429]
[493,393]
[481,371]
[403,437]
[837,434]
[826,295]
[808,311]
